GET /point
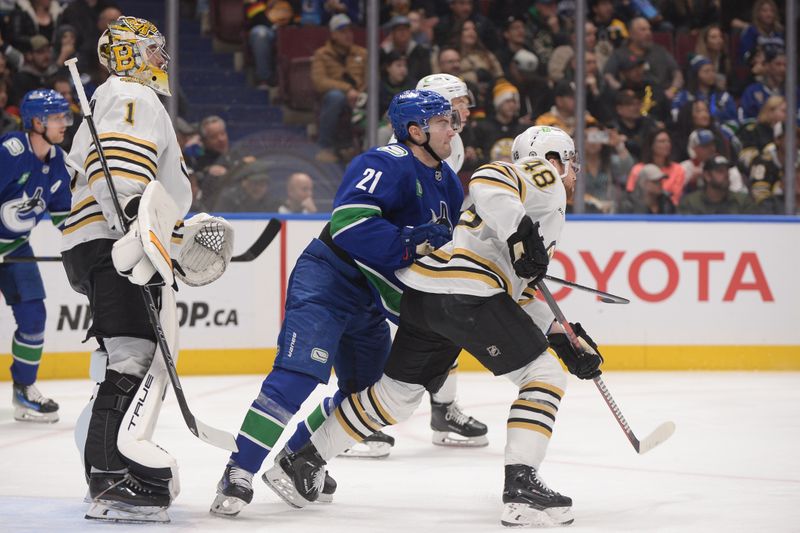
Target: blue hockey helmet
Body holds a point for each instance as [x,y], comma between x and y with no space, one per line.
[40,103]
[418,107]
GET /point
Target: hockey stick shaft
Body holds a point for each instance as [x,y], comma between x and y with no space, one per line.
[202,431]
[256,249]
[598,381]
[605,297]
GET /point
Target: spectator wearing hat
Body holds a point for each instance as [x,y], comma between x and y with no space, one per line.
[37,68]
[629,121]
[338,72]
[648,197]
[701,147]
[774,80]
[299,195]
[715,196]
[563,55]
[189,140]
[475,56]
[657,149]
[491,134]
[450,24]
[633,75]
[398,39]
[662,68]
[32,17]
[249,194]
[610,29]
[765,31]
[702,85]
[562,113]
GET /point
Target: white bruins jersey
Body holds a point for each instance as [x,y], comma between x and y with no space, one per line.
[477,261]
[139,145]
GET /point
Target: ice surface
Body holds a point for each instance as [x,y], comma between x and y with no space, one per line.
[732,465]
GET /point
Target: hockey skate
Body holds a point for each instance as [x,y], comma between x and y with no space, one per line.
[234,491]
[31,406]
[328,486]
[127,498]
[451,427]
[376,446]
[531,503]
[298,478]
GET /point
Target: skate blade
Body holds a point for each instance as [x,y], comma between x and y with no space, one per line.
[110,511]
[525,515]
[280,483]
[227,506]
[454,440]
[24,414]
[325,498]
[368,450]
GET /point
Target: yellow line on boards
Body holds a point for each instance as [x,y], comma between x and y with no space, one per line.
[70,365]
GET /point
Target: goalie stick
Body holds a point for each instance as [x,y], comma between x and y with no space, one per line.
[204,432]
[256,249]
[659,435]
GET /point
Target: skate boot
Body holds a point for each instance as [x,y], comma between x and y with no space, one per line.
[328,487]
[298,478]
[128,498]
[376,446]
[529,502]
[31,406]
[451,427]
[234,491]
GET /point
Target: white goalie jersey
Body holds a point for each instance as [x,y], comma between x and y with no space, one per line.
[139,145]
[477,261]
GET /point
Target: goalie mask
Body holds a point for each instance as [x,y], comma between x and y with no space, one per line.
[134,48]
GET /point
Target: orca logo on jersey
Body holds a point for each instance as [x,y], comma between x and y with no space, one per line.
[20,214]
[443,217]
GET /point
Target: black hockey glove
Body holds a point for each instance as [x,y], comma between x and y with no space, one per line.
[528,254]
[584,365]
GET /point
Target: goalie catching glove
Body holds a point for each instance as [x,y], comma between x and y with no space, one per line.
[206,249]
[584,365]
[528,254]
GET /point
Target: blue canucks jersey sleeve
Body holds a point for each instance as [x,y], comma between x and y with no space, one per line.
[375,186]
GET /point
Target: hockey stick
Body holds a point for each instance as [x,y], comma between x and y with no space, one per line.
[659,435]
[204,432]
[251,254]
[605,297]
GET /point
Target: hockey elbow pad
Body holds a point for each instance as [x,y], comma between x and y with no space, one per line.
[528,254]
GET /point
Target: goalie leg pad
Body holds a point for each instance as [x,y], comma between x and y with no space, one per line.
[533,414]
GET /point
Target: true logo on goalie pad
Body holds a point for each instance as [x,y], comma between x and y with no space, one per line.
[318,354]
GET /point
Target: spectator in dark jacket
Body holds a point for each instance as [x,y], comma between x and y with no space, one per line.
[33,17]
[418,58]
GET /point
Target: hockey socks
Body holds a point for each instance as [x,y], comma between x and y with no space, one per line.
[282,394]
[308,426]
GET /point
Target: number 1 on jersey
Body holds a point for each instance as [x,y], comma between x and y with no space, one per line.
[129,113]
[370,174]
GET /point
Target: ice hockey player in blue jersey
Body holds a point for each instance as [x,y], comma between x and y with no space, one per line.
[33,182]
[396,203]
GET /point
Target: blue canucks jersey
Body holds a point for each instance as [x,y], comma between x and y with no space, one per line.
[28,189]
[384,190]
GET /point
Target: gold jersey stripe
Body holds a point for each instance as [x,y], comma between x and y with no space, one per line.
[83,203]
[485,263]
[129,138]
[94,218]
[456,273]
[118,173]
[124,155]
[160,247]
[495,183]
[531,427]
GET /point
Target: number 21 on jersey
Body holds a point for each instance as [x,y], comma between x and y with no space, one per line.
[370,180]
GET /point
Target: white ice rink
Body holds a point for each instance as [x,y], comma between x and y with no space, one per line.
[732,465]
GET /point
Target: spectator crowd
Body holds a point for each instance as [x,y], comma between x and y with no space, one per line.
[685,100]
